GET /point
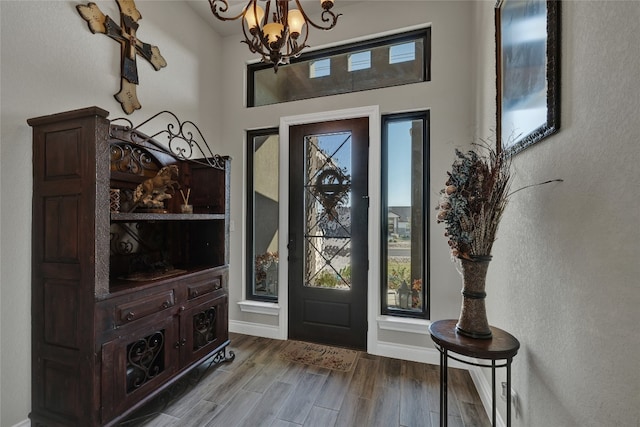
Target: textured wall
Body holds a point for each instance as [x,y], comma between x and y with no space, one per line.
[564,276]
[50,63]
[448,96]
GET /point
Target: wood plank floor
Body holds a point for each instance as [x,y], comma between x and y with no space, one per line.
[260,389]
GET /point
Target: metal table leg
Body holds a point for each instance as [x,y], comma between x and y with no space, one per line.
[443,388]
[493,393]
[509,392]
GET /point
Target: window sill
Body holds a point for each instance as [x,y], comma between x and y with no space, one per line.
[404,324]
[260,307]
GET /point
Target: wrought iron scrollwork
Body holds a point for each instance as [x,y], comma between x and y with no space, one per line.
[221,357]
[179,388]
[144,360]
[183,139]
[130,159]
[120,246]
[127,238]
[204,328]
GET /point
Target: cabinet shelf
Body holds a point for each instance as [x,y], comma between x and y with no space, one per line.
[138,216]
[123,285]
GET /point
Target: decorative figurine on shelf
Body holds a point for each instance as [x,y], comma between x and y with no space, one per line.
[152,193]
[186,207]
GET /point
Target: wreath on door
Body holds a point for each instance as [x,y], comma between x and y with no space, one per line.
[331,188]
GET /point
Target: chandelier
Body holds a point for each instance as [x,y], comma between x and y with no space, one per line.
[275,34]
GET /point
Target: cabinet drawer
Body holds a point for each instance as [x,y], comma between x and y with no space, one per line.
[203,288]
[134,310]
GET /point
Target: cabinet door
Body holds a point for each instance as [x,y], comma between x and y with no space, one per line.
[203,329]
[136,364]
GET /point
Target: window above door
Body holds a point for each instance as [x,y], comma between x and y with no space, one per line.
[381,62]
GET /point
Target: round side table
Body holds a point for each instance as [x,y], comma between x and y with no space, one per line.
[502,346]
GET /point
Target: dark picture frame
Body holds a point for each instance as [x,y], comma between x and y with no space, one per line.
[528,72]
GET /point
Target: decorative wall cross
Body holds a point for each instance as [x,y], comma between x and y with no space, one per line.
[125,34]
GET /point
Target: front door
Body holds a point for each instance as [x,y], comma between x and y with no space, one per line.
[328,257]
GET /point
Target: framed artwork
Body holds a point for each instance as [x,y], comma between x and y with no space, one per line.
[528,72]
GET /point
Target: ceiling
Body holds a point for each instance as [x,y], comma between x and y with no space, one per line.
[228,28]
[202,8]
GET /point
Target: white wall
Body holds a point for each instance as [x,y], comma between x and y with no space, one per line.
[564,275]
[448,96]
[51,62]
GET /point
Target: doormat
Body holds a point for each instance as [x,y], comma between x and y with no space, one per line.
[323,356]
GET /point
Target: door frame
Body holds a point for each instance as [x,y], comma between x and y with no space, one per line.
[373,276]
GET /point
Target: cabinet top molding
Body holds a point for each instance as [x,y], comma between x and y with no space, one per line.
[179,139]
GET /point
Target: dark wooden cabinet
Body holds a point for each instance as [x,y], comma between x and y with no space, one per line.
[124,301]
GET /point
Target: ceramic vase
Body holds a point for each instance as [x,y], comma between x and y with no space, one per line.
[473,315]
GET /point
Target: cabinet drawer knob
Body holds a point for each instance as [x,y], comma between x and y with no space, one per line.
[182,308]
[130,315]
[183,341]
[166,304]
[194,293]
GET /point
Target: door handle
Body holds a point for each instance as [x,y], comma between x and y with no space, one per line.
[291,246]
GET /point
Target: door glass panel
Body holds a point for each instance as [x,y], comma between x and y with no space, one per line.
[327,201]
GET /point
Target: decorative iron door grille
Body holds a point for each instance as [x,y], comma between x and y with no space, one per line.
[204,328]
[145,360]
[327,201]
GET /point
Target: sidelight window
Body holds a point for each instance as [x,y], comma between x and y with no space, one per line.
[405,167]
[262,214]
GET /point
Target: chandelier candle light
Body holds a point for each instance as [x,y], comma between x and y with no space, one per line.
[276,34]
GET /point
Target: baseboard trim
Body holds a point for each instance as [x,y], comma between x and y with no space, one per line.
[412,353]
[255,329]
[24,423]
[432,356]
[483,386]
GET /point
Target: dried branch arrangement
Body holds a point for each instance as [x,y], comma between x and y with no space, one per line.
[473,201]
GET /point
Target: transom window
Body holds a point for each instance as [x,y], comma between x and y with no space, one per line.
[360,61]
[387,61]
[402,53]
[319,68]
